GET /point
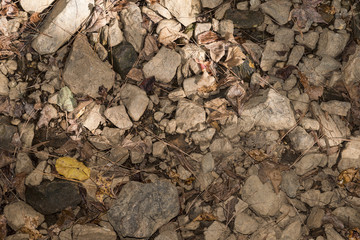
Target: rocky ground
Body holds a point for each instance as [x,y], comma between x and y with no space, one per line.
[191,119]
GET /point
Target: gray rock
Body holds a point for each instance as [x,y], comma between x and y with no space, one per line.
[268,109]
[159,149]
[332,43]
[163,65]
[225,27]
[309,162]
[36,176]
[119,154]
[192,51]
[135,100]
[184,11]
[171,24]
[133,31]
[17,212]
[84,72]
[35,6]
[221,10]
[309,39]
[285,36]
[309,124]
[348,215]
[63,21]
[277,9]
[203,138]
[216,231]
[23,163]
[332,234]
[245,224]
[207,163]
[244,19]
[124,57]
[4,82]
[200,28]
[100,142]
[6,134]
[27,132]
[315,217]
[211,3]
[327,65]
[167,235]
[158,8]
[141,209]
[94,117]
[221,146]
[260,197]
[292,232]
[52,197]
[116,36]
[336,107]
[118,116]
[352,72]
[296,54]
[18,236]
[300,139]
[350,155]
[189,116]
[192,85]
[273,52]
[92,232]
[290,183]
[314,198]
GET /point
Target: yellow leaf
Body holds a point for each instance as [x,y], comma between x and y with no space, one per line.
[72,168]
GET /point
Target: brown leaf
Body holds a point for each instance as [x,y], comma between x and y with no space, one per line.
[48,113]
[103,188]
[205,217]
[235,95]
[168,36]
[67,147]
[3,229]
[140,146]
[348,175]
[218,109]
[8,9]
[314,92]
[150,48]
[30,227]
[285,72]
[235,57]
[307,12]
[271,171]
[19,184]
[35,17]
[207,37]
[217,50]
[135,74]
[258,155]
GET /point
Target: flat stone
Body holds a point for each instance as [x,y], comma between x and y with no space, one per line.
[141,209]
[290,183]
[23,163]
[4,82]
[116,36]
[124,57]
[314,198]
[277,9]
[273,52]
[332,43]
[300,139]
[203,138]
[309,124]
[84,72]
[285,36]
[245,224]
[327,65]
[260,197]
[348,215]
[309,39]
[336,107]
[52,197]
[292,231]
[220,11]
[200,28]
[63,21]
[244,19]
[192,51]
[332,234]
[92,232]
[189,116]
[221,146]
[118,116]
[216,231]
[226,27]
[352,74]
[17,212]
[160,9]
[309,162]
[94,117]
[163,65]
[6,134]
[171,24]
[184,11]
[193,84]
[315,217]
[135,100]
[350,155]
[35,6]
[134,33]
[211,3]
[27,131]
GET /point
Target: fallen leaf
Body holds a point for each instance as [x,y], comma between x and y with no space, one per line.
[314,92]
[140,146]
[285,72]
[8,8]
[135,74]
[354,234]
[19,184]
[235,94]
[205,217]
[217,50]
[147,84]
[149,49]
[35,17]
[168,36]
[235,57]
[103,188]
[307,12]
[348,175]
[72,168]
[30,226]
[207,37]
[218,109]
[258,155]
[48,113]
[271,171]
[3,230]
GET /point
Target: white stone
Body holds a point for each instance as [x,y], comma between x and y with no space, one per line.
[94,118]
[4,89]
[118,116]
[184,11]
[170,24]
[35,6]
[116,36]
[189,116]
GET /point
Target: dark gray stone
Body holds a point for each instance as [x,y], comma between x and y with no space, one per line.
[51,197]
[124,57]
[245,19]
[6,134]
[141,209]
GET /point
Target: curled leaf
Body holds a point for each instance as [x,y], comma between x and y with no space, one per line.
[235,57]
[72,168]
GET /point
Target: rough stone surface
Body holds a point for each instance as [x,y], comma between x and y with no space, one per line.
[92,232]
[348,216]
[135,100]
[52,197]
[309,162]
[17,212]
[277,9]
[84,72]
[133,31]
[260,197]
[171,24]
[332,43]
[124,57]
[273,52]
[4,82]
[314,220]
[6,134]
[290,183]
[141,209]
[245,224]
[35,6]
[336,107]
[94,117]
[244,19]
[62,22]
[350,155]
[163,65]
[292,231]
[118,116]
[210,3]
[23,163]
[217,230]
[300,139]
[184,11]
[116,36]
[189,116]
[309,39]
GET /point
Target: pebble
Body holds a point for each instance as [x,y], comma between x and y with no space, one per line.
[135,100]
[245,224]
[336,107]
[189,116]
[244,19]
[277,9]
[119,117]
[92,232]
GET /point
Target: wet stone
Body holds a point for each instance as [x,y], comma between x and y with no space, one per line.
[244,19]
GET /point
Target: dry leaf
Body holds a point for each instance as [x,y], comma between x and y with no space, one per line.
[135,74]
[168,36]
[258,155]
[139,146]
[8,8]
[35,17]
[207,37]
[218,109]
[48,113]
[150,48]
[235,95]
[354,234]
[103,188]
[205,217]
[217,50]
[285,72]
[3,230]
[235,57]
[5,159]
[72,168]
[30,227]
[272,171]
[314,92]
[307,12]
[348,175]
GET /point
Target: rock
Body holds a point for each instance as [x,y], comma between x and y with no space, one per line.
[348,215]
[336,107]
[309,39]
[116,36]
[300,139]
[203,138]
[216,231]
[92,232]
[274,51]
[277,9]
[207,163]
[16,214]
[309,162]
[18,236]
[292,232]
[184,11]
[36,176]
[332,234]
[327,125]
[176,95]
[211,3]
[268,109]
[221,146]
[94,117]
[65,100]
[193,84]
[201,27]
[163,65]
[296,54]
[245,224]
[313,198]
[159,149]
[27,132]
[124,57]
[350,155]
[52,197]
[309,124]
[23,163]
[119,154]
[221,10]
[63,21]
[118,116]
[35,6]
[189,116]
[225,27]
[290,183]
[141,209]
[332,43]
[89,78]
[135,100]
[314,220]
[100,142]
[158,8]
[6,134]
[4,82]
[285,36]
[167,235]
[133,31]
[327,65]
[260,197]
[171,24]
[244,19]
